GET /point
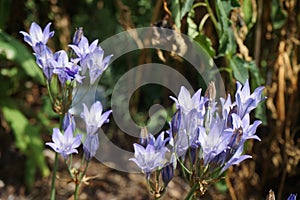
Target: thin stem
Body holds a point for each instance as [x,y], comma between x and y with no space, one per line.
[77,185]
[191,193]
[52,197]
[78,181]
[199,4]
[212,16]
[184,167]
[49,91]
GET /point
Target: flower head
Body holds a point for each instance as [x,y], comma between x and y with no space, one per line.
[148,159]
[245,101]
[37,35]
[94,118]
[186,103]
[44,59]
[64,144]
[96,64]
[83,48]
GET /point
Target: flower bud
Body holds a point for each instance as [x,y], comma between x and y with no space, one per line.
[77,35]
[90,146]
[175,123]
[167,174]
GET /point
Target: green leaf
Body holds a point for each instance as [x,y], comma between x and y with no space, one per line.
[235,3]
[18,123]
[256,76]
[227,45]
[30,171]
[175,9]
[278,15]
[28,141]
[205,42]
[188,4]
[15,51]
[192,26]
[248,13]
[239,68]
[35,149]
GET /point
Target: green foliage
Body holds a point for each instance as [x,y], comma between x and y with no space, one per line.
[27,136]
[15,51]
[278,15]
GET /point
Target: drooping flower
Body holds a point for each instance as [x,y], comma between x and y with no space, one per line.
[94,118]
[64,144]
[37,35]
[90,146]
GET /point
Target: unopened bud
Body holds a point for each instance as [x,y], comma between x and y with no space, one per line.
[77,35]
[167,174]
[210,92]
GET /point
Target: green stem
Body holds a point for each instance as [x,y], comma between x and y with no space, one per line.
[49,91]
[78,180]
[77,185]
[212,16]
[191,193]
[52,197]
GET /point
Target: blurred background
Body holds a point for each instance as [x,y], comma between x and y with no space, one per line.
[248,39]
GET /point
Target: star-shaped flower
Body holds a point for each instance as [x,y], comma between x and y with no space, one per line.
[64,144]
[37,35]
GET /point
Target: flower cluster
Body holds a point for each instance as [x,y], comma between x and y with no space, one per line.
[88,56]
[66,144]
[203,138]
[65,71]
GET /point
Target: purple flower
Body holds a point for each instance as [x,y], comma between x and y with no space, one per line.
[69,120]
[36,34]
[94,118]
[167,174]
[77,36]
[64,69]
[64,144]
[214,141]
[245,101]
[235,159]
[292,197]
[83,48]
[96,64]
[44,59]
[248,131]
[186,103]
[148,159]
[90,146]
[187,133]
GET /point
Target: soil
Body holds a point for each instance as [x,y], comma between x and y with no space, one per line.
[106,184]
